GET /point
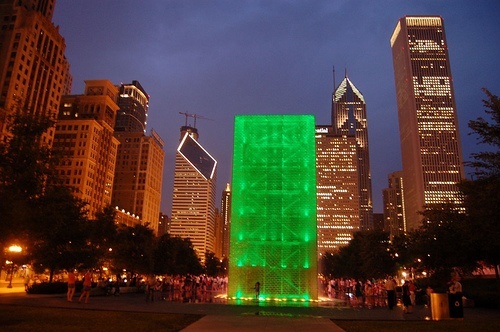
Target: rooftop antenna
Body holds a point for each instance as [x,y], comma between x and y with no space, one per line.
[334,83]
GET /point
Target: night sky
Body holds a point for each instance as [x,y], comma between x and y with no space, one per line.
[218,59]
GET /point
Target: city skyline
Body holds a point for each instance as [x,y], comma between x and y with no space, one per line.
[218,59]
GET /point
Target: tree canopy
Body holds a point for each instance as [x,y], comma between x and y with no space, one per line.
[482,196]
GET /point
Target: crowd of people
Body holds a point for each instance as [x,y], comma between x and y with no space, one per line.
[157,288]
[371,293]
[367,293]
[188,288]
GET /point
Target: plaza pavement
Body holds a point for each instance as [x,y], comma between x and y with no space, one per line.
[222,316]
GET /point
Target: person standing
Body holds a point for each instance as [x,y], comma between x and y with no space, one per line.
[26,281]
[390,287]
[413,294]
[257,290]
[71,286]
[455,298]
[87,285]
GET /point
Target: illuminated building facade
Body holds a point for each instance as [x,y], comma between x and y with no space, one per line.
[134,104]
[193,201]
[428,125]
[84,138]
[273,209]
[394,213]
[139,175]
[219,231]
[140,158]
[226,219]
[349,119]
[338,208]
[34,72]
[126,218]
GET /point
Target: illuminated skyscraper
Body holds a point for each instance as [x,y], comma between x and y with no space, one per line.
[138,175]
[34,72]
[226,219]
[349,119]
[394,213]
[428,125]
[273,212]
[134,104]
[140,158]
[193,201]
[338,208]
[84,138]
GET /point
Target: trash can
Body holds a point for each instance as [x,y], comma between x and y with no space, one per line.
[456,305]
[440,306]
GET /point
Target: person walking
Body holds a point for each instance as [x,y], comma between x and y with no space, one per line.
[407,307]
[87,286]
[390,287]
[71,286]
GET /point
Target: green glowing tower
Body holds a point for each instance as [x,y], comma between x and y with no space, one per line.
[273,219]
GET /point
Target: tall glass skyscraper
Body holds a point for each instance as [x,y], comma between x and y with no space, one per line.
[193,201]
[349,119]
[428,125]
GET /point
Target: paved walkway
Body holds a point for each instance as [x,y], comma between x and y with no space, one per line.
[221,316]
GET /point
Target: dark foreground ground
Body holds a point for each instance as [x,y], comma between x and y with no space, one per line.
[127,312]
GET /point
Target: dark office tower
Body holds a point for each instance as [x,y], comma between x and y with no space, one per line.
[428,125]
[139,160]
[394,213]
[226,218]
[34,72]
[349,119]
[193,201]
[134,103]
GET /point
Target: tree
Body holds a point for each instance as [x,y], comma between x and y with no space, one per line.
[174,255]
[482,196]
[58,239]
[212,264]
[366,256]
[26,166]
[442,243]
[133,249]
[487,163]
[100,235]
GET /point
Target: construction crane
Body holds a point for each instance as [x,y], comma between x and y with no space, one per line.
[194,116]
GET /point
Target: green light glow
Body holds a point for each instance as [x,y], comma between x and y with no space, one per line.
[273,229]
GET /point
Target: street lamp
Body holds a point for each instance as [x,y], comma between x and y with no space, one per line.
[13,249]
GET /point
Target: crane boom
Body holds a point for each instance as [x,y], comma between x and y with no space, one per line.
[194,116]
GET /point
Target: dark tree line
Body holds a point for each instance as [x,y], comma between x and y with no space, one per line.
[449,240]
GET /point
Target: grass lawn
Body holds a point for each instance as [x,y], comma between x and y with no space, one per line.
[421,326]
[19,318]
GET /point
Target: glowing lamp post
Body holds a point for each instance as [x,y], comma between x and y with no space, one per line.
[13,249]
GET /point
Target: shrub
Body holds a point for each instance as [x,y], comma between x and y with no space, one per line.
[51,288]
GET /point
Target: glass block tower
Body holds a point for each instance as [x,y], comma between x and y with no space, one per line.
[273,214]
[430,141]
